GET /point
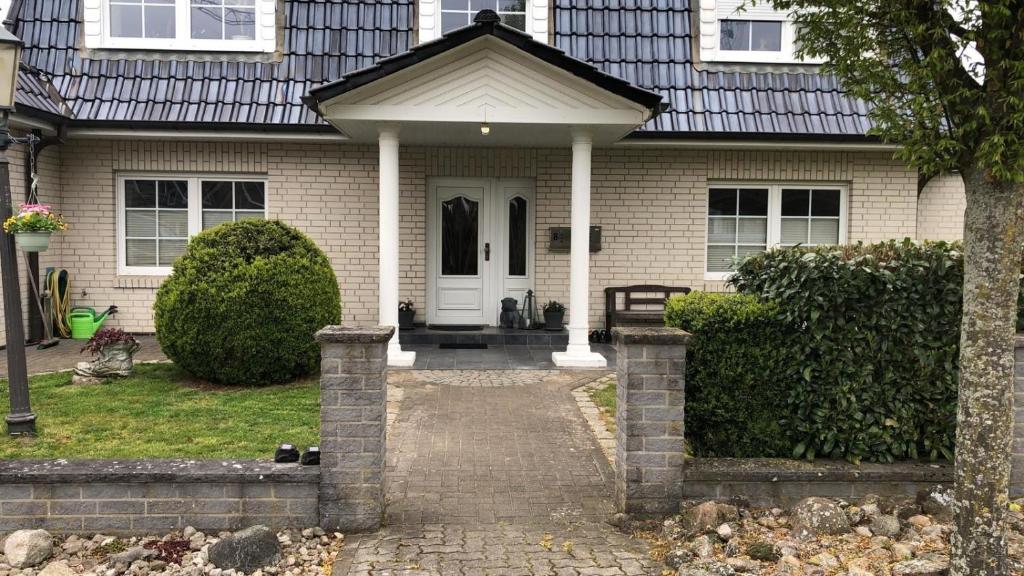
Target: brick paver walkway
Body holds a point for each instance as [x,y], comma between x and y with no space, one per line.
[65,355]
[495,480]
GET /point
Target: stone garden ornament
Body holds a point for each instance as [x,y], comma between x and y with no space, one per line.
[113,352]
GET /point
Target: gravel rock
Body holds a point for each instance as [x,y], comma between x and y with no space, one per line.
[129,556]
[707,516]
[743,565]
[919,521]
[724,532]
[817,517]
[28,548]
[885,525]
[921,567]
[246,550]
[937,502]
[57,568]
[706,568]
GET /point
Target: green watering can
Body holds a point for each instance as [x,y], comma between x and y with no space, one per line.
[85,322]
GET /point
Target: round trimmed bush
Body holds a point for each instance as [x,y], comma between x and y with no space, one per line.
[243,303]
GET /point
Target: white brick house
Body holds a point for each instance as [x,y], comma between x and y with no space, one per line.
[430,156]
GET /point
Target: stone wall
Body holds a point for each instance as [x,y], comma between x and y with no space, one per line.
[651,204]
[147,497]
[778,482]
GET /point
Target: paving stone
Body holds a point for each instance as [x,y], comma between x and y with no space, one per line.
[490,473]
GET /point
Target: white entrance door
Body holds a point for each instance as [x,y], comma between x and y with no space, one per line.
[480,238]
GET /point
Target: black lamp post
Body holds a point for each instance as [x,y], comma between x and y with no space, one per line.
[21,420]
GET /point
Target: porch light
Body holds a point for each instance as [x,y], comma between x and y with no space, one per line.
[10,57]
[485,128]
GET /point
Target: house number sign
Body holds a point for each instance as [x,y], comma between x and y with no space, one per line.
[560,239]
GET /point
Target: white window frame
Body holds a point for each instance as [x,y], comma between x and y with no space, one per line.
[711,16]
[195,210]
[430,20]
[774,212]
[97,31]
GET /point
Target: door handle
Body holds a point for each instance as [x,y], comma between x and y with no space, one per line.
[487,252]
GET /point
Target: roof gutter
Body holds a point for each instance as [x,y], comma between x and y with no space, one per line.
[204,135]
[744,141]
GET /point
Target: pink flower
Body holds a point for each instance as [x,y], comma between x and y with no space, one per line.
[35,208]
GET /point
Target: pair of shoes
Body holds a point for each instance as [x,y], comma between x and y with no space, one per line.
[286,453]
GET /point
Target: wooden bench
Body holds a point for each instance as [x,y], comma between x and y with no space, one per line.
[639,304]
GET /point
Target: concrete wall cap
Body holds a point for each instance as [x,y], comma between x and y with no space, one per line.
[1019,340]
[355,334]
[658,335]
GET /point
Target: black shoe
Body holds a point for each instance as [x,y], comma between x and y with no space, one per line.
[286,453]
[311,456]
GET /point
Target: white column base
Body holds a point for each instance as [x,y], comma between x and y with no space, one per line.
[398,358]
[577,356]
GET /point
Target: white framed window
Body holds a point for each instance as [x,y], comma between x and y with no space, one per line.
[158,213]
[748,218]
[732,32]
[186,25]
[438,17]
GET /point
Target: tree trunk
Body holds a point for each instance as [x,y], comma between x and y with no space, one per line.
[992,260]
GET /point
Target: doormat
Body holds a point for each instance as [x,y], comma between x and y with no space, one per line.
[453,346]
[456,328]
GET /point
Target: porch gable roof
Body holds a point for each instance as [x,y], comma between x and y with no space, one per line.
[487,23]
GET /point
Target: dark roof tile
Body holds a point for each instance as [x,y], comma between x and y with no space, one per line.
[645,42]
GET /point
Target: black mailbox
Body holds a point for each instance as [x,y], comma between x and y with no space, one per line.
[560,239]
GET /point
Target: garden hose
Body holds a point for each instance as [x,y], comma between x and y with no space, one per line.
[59,284]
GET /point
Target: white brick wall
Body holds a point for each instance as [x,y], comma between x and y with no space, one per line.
[940,209]
[650,203]
[48,189]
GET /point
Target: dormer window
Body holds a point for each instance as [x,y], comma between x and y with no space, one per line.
[438,17]
[754,34]
[459,13]
[182,25]
[749,36]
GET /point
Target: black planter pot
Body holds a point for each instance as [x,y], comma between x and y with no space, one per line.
[553,321]
[405,318]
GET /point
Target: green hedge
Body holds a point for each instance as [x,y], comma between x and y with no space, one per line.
[733,399]
[243,303]
[876,347]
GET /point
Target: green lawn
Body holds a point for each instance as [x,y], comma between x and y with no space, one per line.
[160,412]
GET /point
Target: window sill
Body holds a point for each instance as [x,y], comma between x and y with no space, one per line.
[717,276]
[139,281]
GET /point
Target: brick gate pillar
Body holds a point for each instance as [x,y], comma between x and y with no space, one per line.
[353,406]
[1017,449]
[649,420]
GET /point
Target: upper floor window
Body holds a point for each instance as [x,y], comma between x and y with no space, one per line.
[438,17]
[206,25]
[459,13]
[752,34]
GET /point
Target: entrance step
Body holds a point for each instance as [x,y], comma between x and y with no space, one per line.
[489,335]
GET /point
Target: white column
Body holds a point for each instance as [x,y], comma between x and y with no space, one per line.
[389,239]
[578,354]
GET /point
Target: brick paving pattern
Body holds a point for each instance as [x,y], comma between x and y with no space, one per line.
[65,355]
[495,480]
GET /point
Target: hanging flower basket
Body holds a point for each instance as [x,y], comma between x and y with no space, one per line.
[32,241]
[33,225]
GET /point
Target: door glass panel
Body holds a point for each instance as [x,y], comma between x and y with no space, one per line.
[459,231]
[517,237]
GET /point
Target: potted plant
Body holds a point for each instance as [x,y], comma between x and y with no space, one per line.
[33,225]
[406,314]
[113,353]
[554,313]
